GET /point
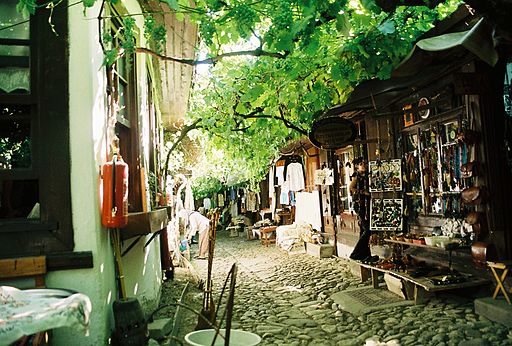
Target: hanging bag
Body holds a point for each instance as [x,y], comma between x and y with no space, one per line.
[468,136]
[469,170]
[473,195]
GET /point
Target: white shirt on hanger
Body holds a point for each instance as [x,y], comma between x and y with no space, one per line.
[295,177]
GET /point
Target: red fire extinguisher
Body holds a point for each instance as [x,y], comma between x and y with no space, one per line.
[115,193]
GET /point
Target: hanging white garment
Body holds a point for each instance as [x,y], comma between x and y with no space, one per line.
[207,203]
[280,175]
[189,198]
[308,209]
[179,201]
[271,178]
[295,177]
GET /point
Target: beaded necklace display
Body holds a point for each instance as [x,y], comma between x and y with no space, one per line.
[457,165]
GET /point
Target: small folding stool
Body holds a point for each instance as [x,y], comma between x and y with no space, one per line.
[500,277]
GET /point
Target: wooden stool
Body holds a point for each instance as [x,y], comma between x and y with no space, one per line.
[500,279]
[268,235]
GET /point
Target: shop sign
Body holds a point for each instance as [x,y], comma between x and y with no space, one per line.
[332,133]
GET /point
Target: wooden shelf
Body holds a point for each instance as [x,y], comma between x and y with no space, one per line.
[145,223]
[424,246]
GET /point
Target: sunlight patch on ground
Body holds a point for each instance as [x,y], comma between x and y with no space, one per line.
[288,289]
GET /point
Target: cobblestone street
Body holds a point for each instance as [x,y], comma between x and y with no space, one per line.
[286,299]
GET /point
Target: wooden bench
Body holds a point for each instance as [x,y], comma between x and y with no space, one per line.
[416,288]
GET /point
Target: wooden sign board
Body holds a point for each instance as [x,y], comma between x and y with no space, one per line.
[332,133]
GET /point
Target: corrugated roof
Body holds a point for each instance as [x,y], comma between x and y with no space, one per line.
[175,78]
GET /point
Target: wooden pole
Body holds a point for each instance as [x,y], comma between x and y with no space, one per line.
[116,243]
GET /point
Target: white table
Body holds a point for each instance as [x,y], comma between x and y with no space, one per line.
[26,312]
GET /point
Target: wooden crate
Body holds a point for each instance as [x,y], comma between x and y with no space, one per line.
[320,250]
[233,230]
[394,285]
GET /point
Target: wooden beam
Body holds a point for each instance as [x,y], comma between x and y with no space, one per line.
[69,260]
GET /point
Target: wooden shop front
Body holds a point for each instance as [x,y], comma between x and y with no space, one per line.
[433,136]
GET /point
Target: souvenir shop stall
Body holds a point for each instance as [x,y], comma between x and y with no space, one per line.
[436,182]
[295,197]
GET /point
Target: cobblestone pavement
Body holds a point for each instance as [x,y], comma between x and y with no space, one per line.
[286,300]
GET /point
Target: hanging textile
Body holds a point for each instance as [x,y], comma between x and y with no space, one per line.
[284,196]
[179,201]
[271,182]
[207,203]
[251,201]
[293,198]
[280,175]
[308,209]
[221,200]
[189,197]
[295,177]
[233,209]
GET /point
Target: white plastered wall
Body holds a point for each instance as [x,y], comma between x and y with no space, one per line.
[87,101]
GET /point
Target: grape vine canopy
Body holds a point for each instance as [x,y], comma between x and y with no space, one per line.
[273,66]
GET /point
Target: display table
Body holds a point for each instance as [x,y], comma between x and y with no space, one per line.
[26,312]
[416,288]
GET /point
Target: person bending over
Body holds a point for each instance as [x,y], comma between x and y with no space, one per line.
[195,223]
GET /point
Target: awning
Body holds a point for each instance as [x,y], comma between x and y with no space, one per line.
[376,93]
[430,60]
[478,41]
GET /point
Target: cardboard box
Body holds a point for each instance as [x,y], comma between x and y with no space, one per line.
[394,285]
[320,250]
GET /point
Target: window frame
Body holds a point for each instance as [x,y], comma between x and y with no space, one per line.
[49,65]
[127,127]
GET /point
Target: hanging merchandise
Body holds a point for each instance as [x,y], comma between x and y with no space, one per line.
[251,201]
[386,214]
[189,197]
[179,200]
[295,176]
[220,198]
[386,175]
[284,197]
[115,193]
[280,175]
[207,203]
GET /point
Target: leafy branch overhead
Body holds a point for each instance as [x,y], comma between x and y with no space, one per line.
[274,65]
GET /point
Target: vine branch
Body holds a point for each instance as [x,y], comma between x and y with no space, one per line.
[257,113]
[184,131]
[212,60]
